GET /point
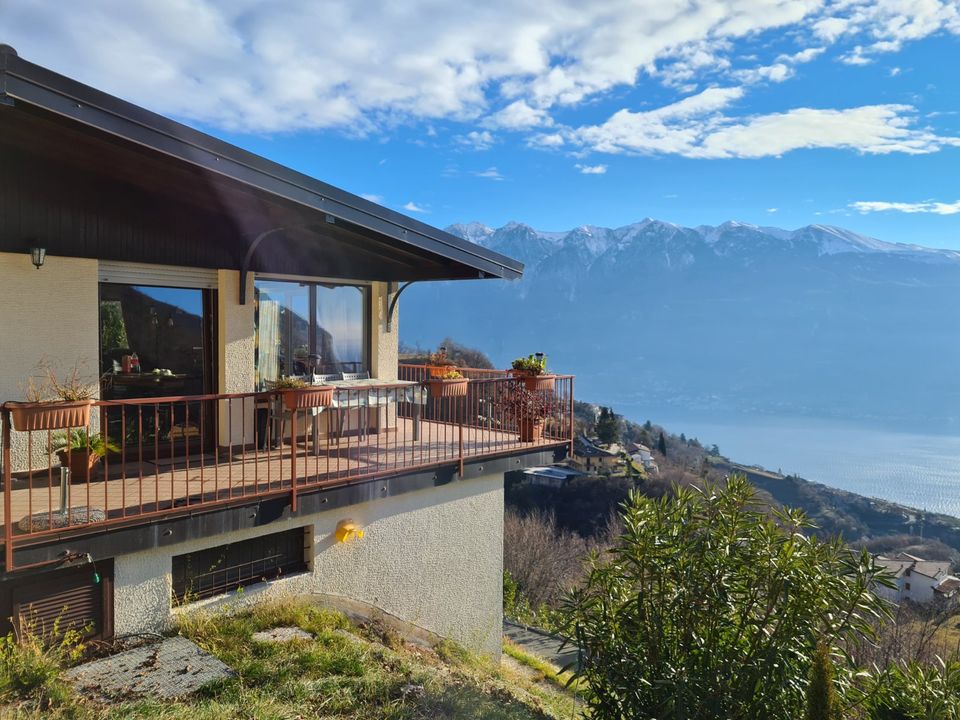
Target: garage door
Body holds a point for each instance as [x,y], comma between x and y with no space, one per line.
[78,598]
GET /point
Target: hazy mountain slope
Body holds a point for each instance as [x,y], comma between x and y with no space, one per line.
[650,316]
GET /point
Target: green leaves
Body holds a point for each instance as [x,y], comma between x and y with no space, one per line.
[708,608]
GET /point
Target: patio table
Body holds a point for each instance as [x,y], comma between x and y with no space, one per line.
[370,392]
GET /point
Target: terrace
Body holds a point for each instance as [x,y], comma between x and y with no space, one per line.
[183,455]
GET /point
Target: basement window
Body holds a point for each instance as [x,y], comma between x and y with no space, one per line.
[217,570]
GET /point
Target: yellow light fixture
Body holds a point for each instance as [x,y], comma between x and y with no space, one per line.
[348,530]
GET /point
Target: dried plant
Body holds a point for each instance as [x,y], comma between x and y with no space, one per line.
[47,385]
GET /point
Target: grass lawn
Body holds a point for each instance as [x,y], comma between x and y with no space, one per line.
[344,672]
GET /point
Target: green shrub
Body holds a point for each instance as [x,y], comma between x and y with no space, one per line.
[707,608]
[911,691]
[822,701]
[33,661]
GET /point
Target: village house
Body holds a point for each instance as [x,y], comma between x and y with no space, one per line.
[590,457]
[641,455]
[918,580]
[185,279]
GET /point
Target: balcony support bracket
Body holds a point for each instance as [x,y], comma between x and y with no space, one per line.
[393,304]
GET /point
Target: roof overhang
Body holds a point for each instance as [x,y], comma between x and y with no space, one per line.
[318,228]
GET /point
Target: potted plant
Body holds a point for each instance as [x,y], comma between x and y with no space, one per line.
[438,364]
[533,371]
[52,403]
[299,395]
[450,384]
[529,409]
[81,451]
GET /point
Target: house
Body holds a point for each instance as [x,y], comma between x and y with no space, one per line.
[642,456]
[550,476]
[918,580]
[589,456]
[186,277]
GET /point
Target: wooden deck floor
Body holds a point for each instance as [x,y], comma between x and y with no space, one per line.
[140,488]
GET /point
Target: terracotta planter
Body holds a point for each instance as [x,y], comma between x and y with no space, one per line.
[452,387]
[531,430]
[537,383]
[50,415]
[308,397]
[80,461]
[438,371]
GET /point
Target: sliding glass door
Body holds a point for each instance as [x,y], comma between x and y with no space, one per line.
[156,342]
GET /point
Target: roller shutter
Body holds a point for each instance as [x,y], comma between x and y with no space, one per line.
[67,599]
[158,275]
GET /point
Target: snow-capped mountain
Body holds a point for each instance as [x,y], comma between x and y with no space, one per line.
[818,320]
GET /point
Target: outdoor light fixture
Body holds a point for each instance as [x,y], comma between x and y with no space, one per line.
[37,256]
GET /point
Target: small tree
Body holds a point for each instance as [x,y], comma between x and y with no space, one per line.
[662,444]
[822,701]
[608,426]
[707,608]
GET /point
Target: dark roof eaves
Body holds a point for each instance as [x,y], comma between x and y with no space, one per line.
[18,77]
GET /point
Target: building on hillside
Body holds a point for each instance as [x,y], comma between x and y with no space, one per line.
[641,455]
[589,456]
[185,277]
[554,476]
[918,580]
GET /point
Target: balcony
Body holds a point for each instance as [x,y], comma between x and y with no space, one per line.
[180,455]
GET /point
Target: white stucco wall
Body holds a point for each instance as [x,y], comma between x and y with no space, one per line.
[433,558]
[235,355]
[384,345]
[50,313]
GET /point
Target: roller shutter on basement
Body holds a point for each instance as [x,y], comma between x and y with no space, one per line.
[52,603]
[128,273]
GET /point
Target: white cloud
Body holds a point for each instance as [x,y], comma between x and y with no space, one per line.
[478,140]
[491,173]
[295,64]
[372,197]
[591,169]
[519,116]
[697,127]
[772,210]
[926,206]
[414,208]
[546,140]
[893,72]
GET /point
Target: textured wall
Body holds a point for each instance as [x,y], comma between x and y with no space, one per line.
[433,558]
[384,345]
[51,312]
[235,354]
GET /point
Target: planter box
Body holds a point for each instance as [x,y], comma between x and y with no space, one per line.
[531,430]
[309,397]
[454,387]
[537,383]
[49,415]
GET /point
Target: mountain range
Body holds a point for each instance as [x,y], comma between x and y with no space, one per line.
[658,318]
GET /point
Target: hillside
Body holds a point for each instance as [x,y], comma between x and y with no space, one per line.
[363,671]
[736,318]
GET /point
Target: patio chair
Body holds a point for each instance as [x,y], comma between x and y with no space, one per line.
[365,375]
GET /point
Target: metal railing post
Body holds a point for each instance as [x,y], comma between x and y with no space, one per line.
[293,460]
[7,495]
[572,431]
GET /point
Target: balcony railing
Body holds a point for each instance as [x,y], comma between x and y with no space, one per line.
[174,455]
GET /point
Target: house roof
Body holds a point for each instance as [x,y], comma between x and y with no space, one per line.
[948,585]
[902,562]
[554,471]
[584,448]
[274,219]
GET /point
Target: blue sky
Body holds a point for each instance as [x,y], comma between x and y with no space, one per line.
[558,113]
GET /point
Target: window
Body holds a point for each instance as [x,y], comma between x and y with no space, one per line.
[906,586]
[309,327]
[217,570]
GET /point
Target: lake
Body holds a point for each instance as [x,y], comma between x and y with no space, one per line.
[915,469]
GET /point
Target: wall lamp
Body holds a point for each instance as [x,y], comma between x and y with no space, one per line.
[37,256]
